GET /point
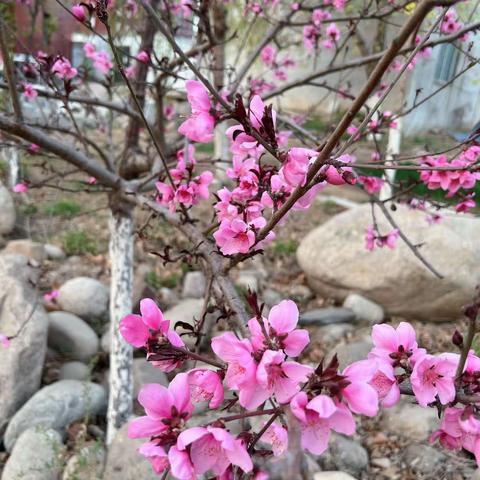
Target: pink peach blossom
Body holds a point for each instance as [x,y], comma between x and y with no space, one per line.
[29,92]
[432,376]
[206,385]
[213,449]
[199,126]
[281,327]
[79,12]
[165,408]
[20,188]
[279,377]
[317,418]
[4,341]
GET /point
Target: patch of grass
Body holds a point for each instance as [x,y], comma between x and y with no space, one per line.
[156,282]
[28,210]
[78,242]
[63,208]
[287,247]
[204,148]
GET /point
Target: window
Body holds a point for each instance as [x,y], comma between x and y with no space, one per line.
[446,63]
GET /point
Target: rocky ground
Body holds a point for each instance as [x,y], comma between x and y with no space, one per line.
[54,376]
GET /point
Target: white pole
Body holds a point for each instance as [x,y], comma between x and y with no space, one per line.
[393,149]
[121,286]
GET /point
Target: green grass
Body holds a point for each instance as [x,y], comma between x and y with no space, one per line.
[204,148]
[287,247]
[63,208]
[78,242]
[156,282]
[28,210]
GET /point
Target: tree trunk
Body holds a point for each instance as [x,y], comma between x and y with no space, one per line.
[121,286]
[12,157]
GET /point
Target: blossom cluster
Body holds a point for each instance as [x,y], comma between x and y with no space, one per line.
[313,31]
[449,180]
[271,59]
[101,59]
[187,189]
[264,367]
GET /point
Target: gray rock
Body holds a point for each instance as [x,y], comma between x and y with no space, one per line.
[87,464]
[276,467]
[326,316]
[85,297]
[123,460]
[247,279]
[423,459]
[56,406]
[300,293]
[37,455]
[331,333]
[185,311]
[381,462]
[167,296]
[144,372]
[7,212]
[71,336]
[332,476]
[271,297]
[194,285]
[344,454]
[74,371]
[475,475]
[410,420]
[28,248]
[396,279]
[106,340]
[141,289]
[365,310]
[351,352]
[22,316]
[53,252]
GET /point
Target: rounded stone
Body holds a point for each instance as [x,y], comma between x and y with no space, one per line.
[71,336]
[364,309]
[336,263]
[124,461]
[7,212]
[37,455]
[56,406]
[334,475]
[74,371]
[85,297]
[28,248]
[194,285]
[53,252]
[21,313]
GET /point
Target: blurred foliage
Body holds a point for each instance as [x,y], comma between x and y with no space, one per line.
[63,208]
[285,247]
[156,281]
[78,242]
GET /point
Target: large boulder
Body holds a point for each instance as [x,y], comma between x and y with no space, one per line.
[37,456]
[28,248]
[71,336]
[21,316]
[123,460]
[187,311]
[336,262]
[85,297]
[7,211]
[56,406]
